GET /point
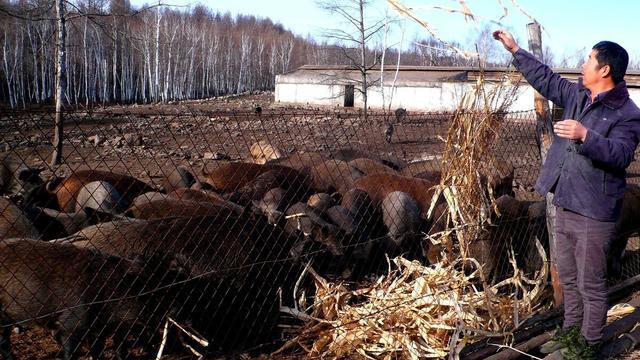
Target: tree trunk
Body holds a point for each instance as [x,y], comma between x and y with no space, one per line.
[544,136]
[363,63]
[56,157]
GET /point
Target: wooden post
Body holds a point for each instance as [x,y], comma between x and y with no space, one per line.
[544,136]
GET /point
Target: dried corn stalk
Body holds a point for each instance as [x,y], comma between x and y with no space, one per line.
[472,132]
[414,312]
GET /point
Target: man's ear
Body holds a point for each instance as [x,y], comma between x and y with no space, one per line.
[605,71]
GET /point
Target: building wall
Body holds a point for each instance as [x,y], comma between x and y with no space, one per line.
[436,96]
[314,94]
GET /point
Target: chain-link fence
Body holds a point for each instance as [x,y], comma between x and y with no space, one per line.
[210,218]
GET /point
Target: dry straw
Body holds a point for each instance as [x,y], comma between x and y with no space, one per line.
[414,312]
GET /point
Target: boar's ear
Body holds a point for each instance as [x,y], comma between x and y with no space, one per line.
[180,264]
[325,231]
[203,169]
[52,184]
[257,206]
[29,174]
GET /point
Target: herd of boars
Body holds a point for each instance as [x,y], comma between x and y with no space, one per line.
[97,252]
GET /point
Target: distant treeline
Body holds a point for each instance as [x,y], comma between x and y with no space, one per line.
[116,53]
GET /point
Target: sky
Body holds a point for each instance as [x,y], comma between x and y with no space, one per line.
[571,27]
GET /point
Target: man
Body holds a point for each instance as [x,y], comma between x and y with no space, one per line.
[585,170]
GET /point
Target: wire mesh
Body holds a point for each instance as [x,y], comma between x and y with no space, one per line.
[209,218]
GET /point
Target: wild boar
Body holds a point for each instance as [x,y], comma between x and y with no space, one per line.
[378,186]
[14,223]
[83,293]
[169,207]
[298,185]
[300,161]
[239,262]
[401,216]
[263,151]
[178,178]
[99,196]
[65,191]
[369,166]
[225,176]
[321,202]
[334,175]
[16,177]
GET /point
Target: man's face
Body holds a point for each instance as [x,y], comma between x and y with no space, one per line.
[591,71]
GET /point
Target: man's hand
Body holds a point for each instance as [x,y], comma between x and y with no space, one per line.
[507,40]
[570,129]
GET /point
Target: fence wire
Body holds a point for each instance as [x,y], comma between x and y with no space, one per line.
[209,218]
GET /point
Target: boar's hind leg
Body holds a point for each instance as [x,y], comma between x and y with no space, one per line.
[5,341]
[69,343]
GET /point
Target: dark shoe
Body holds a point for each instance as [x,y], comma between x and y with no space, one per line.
[581,350]
[560,340]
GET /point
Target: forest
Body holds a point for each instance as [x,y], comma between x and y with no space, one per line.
[116,53]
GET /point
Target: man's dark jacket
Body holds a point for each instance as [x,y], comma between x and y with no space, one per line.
[587,178]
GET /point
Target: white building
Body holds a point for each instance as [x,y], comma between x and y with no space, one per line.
[418,88]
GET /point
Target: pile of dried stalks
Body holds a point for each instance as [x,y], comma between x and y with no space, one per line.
[414,312]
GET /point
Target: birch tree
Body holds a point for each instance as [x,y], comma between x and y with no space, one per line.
[61,79]
[358,35]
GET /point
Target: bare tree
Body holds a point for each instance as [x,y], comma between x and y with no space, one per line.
[61,82]
[358,36]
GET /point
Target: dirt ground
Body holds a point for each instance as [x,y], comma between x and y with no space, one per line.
[148,141]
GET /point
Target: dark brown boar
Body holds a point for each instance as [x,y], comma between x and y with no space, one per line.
[165,208]
[83,293]
[321,202]
[334,175]
[66,190]
[14,223]
[298,185]
[378,186]
[300,161]
[352,154]
[226,176]
[370,166]
[240,264]
[16,177]
[401,216]
[220,245]
[180,177]
[205,196]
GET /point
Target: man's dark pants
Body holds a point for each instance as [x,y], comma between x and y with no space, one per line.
[582,245]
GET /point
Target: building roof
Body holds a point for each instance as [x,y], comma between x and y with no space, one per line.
[419,75]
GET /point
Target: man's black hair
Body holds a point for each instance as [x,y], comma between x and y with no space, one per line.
[614,55]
